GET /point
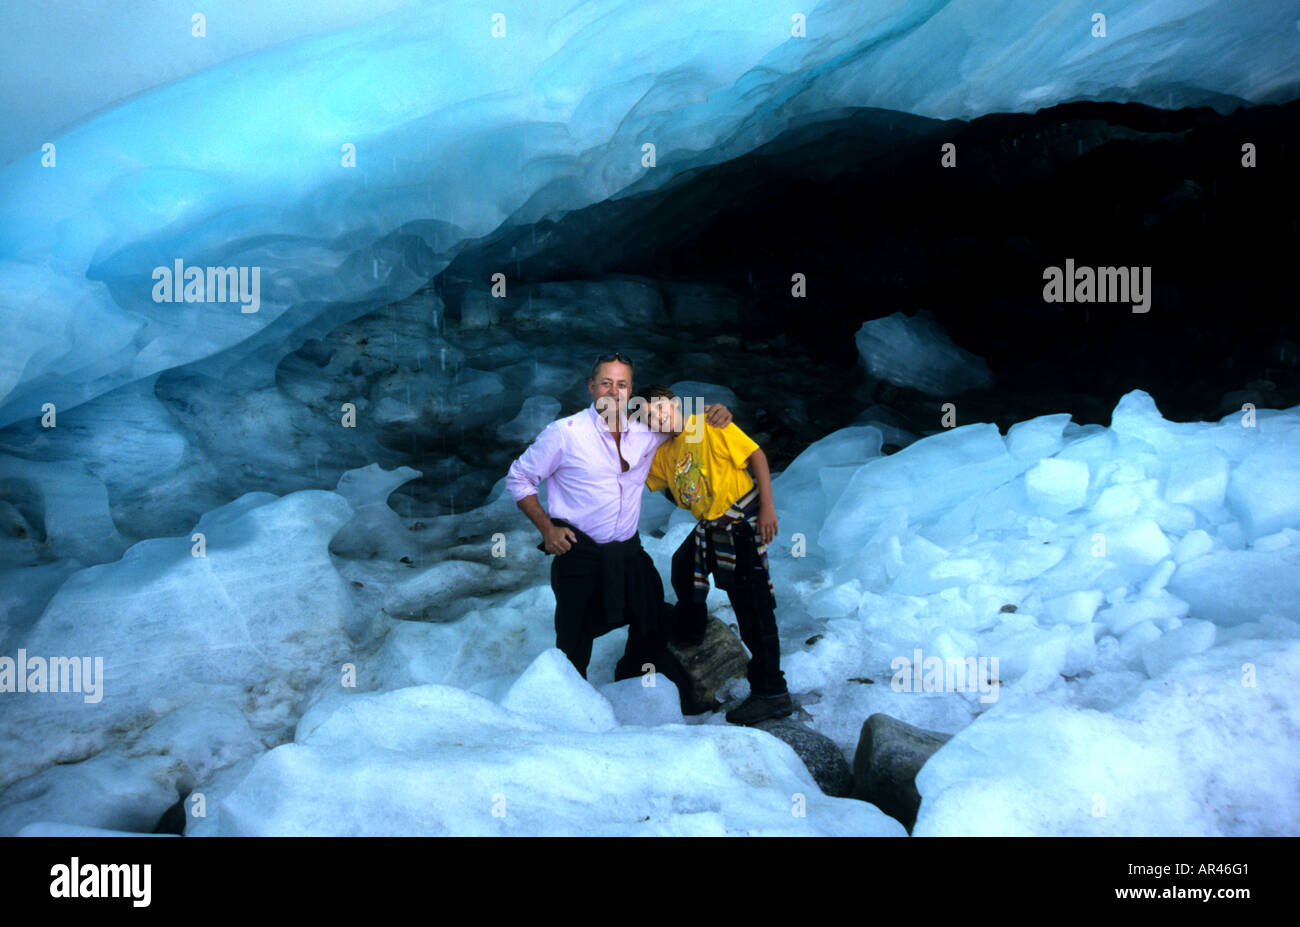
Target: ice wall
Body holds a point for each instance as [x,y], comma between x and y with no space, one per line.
[243,163]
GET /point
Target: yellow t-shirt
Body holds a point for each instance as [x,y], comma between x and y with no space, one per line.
[708,475]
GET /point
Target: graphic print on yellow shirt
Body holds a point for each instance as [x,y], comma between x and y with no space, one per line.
[708,475]
[690,485]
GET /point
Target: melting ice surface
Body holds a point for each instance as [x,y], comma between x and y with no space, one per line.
[1139,586]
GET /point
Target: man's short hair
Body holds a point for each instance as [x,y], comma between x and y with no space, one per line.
[610,358]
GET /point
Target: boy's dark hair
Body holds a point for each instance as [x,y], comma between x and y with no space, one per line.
[651,393]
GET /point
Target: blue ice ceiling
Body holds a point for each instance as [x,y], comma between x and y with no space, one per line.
[227,148]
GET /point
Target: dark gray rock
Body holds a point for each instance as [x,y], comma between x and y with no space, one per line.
[818,752]
[890,753]
[700,671]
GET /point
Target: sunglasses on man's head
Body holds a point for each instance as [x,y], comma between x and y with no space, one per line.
[621,358]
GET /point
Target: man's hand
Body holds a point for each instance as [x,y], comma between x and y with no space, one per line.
[555,538]
[719,416]
[766,523]
[558,539]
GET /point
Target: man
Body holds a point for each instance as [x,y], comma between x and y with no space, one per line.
[595,463]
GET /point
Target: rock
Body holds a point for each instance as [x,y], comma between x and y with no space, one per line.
[818,752]
[701,670]
[889,755]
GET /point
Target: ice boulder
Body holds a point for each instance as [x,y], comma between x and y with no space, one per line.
[925,479]
[1193,544]
[1159,607]
[552,691]
[1038,437]
[109,790]
[1199,480]
[1076,608]
[1135,641]
[1264,492]
[807,489]
[1230,587]
[1057,486]
[645,701]
[431,594]
[1191,637]
[254,615]
[432,760]
[916,352]
[1197,752]
[1135,544]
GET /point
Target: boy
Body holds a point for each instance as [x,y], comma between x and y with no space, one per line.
[705,468]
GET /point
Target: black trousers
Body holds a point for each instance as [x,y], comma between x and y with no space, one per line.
[750,597]
[577,578]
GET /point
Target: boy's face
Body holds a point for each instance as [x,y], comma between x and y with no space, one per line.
[666,415]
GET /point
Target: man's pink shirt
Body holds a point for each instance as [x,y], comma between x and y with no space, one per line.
[585,484]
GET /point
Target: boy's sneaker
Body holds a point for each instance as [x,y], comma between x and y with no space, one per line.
[756,708]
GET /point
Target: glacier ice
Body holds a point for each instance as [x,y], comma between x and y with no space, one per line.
[1195,755]
[550,116]
[438,760]
[1134,652]
[326,644]
[915,351]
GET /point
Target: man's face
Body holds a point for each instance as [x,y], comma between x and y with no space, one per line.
[611,387]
